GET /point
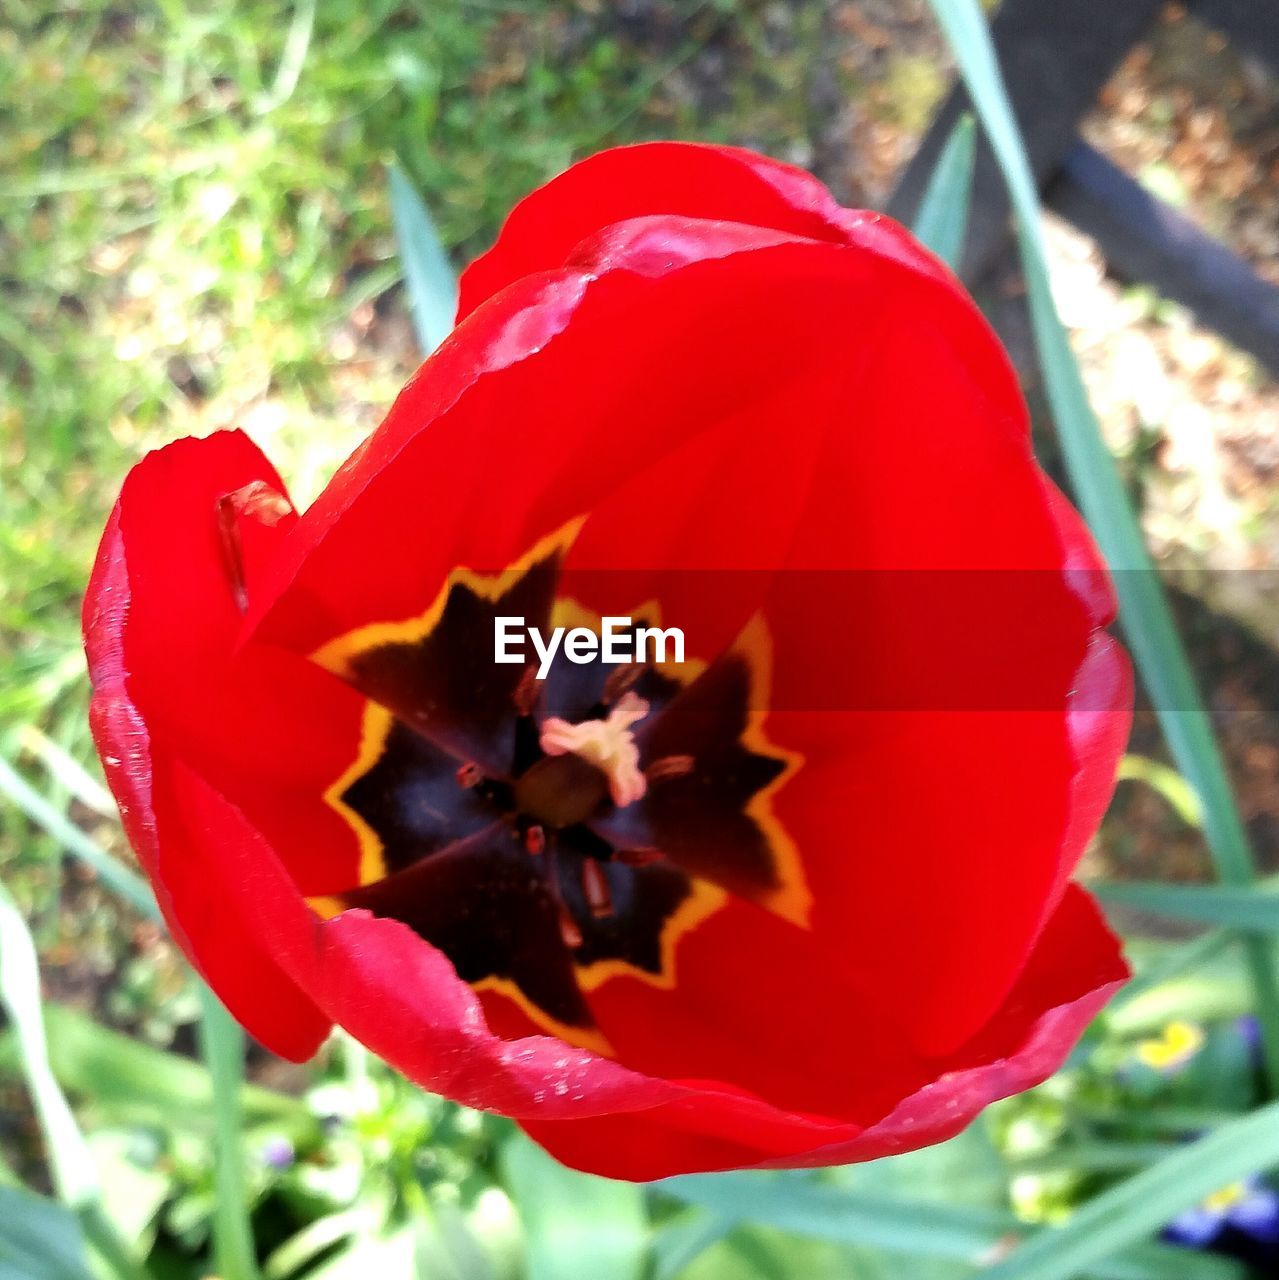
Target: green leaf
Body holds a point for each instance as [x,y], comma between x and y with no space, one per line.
[1144,610]
[910,1225]
[431,282]
[39,1240]
[222,1043]
[135,1183]
[1140,1206]
[964,1179]
[575,1224]
[127,1081]
[112,872]
[315,1238]
[942,220]
[67,771]
[393,1257]
[69,1157]
[70,1160]
[808,1207]
[761,1253]
[1255,909]
[676,1244]
[1157,964]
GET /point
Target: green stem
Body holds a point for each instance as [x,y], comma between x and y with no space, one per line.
[222,1044]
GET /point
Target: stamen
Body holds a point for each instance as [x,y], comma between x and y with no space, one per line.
[526,692]
[535,840]
[607,744]
[469,775]
[669,767]
[638,857]
[570,934]
[595,889]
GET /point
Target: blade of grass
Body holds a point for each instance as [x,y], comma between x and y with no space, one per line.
[431,282]
[942,220]
[1179,959]
[222,1044]
[293,57]
[1141,1205]
[1255,910]
[676,1245]
[131,1082]
[112,872]
[1168,783]
[70,1162]
[66,770]
[1144,610]
[911,1226]
[317,1237]
[924,1228]
[1094,1157]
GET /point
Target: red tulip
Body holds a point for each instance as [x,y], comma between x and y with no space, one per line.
[801,899]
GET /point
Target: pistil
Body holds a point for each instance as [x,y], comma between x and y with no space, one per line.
[608,744]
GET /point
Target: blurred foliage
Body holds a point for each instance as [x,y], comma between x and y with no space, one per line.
[196,232]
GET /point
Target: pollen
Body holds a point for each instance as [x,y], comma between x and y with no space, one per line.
[608,744]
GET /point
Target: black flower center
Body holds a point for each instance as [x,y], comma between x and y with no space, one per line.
[546,833]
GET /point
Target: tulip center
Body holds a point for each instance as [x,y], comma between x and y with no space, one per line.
[550,833]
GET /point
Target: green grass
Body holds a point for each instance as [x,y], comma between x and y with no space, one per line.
[195,233]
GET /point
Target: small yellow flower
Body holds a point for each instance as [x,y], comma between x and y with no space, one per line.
[1226,1198]
[1178,1044]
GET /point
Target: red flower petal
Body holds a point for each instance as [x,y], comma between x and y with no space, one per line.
[161,616]
[193,889]
[721,184]
[1074,970]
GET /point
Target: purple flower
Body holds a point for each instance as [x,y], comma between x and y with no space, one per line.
[278,1153]
[1249,1207]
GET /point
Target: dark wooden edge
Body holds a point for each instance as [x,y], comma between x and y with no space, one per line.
[1143,239]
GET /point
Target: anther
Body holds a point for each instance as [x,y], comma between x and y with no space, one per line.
[570,934]
[595,889]
[535,840]
[525,696]
[469,775]
[669,767]
[638,857]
